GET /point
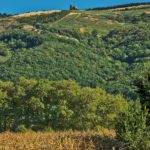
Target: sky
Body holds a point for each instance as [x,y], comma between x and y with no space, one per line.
[22,6]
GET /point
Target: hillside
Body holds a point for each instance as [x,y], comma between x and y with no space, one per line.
[105,48]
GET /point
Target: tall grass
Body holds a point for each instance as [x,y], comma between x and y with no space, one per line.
[58,141]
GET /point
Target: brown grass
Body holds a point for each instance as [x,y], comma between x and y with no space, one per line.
[58,141]
[82,30]
[109,22]
[29,28]
[130,8]
[35,13]
[147,12]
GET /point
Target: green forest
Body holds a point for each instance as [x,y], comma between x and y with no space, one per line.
[77,70]
[60,105]
[111,60]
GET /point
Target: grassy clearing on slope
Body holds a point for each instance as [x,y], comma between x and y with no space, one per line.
[97,19]
[87,20]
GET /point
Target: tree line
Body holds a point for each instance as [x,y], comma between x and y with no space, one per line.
[60,105]
[44,105]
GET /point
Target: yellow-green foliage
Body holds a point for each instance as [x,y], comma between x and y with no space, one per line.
[132,127]
[60,105]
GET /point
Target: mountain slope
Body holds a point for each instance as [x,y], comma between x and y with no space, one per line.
[104,48]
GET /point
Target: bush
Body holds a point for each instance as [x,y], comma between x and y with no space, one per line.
[48,129]
[23,129]
[131,128]
[4,50]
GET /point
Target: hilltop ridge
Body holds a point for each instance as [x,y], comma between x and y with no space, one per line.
[30,14]
[125,6]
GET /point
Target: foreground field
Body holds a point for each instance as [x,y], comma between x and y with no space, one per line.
[58,141]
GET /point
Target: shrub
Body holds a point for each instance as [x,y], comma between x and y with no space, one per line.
[23,129]
[131,128]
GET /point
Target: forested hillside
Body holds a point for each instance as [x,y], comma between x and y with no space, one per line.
[76,71]
[106,48]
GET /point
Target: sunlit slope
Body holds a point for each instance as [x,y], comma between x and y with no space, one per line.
[103,21]
[84,21]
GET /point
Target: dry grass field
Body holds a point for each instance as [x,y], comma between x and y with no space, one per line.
[131,8]
[30,14]
[58,141]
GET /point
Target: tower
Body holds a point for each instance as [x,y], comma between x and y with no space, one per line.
[73,7]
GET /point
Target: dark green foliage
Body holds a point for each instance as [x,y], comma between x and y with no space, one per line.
[143,88]
[129,45]
[95,33]
[18,39]
[4,50]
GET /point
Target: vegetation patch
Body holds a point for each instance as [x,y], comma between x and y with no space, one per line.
[18,39]
[45,18]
